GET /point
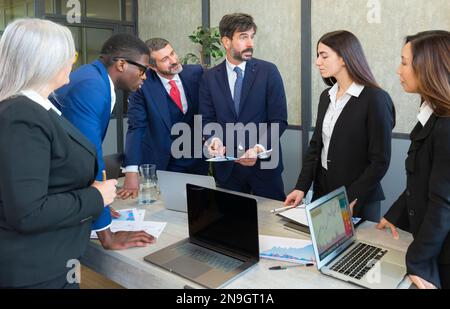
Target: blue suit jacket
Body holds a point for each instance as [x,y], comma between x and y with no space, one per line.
[86,103]
[149,122]
[263,100]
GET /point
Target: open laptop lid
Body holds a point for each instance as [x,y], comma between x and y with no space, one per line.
[173,187]
[331,226]
[223,220]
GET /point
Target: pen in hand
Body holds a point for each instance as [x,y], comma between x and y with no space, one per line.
[291,266]
[286,208]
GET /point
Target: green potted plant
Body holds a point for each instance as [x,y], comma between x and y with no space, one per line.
[210,46]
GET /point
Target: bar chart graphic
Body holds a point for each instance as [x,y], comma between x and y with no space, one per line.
[286,249]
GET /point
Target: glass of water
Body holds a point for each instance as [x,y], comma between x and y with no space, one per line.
[148,186]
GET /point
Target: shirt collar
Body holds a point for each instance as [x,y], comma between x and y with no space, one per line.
[36,97]
[230,66]
[425,113]
[354,90]
[111,83]
[166,81]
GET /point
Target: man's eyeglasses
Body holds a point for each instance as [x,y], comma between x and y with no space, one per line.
[141,67]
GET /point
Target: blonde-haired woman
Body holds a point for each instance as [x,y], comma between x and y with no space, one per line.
[47,195]
[424,207]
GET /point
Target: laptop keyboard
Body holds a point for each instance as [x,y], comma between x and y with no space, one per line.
[210,258]
[359,261]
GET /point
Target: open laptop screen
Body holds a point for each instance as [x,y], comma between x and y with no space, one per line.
[222,219]
[332,225]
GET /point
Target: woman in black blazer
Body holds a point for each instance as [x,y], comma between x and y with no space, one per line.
[351,144]
[47,167]
[424,207]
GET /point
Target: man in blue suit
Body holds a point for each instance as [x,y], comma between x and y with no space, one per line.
[248,91]
[169,96]
[88,100]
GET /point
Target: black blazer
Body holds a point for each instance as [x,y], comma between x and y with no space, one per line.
[46,202]
[424,207]
[360,147]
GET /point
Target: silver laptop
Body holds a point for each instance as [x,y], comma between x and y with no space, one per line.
[223,238]
[339,254]
[173,188]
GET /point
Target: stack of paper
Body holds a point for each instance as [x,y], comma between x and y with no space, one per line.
[299,221]
[133,220]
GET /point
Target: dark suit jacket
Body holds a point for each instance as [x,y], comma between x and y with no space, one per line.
[360,147]
[424,207]
[149,123]
[263,100]
[46,202]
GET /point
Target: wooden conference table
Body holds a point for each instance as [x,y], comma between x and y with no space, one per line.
[129,269]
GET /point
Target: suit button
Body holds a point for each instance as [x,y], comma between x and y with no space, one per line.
[408,193]
[412,213]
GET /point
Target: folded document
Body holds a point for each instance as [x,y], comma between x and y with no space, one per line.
[133,220]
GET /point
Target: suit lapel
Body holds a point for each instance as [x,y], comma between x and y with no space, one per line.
[187,92]
[159,95]
[419,133]
[222,81]
[322,111]
[249,79]
[74,133]
[418,136]
[342,117]
[105,77]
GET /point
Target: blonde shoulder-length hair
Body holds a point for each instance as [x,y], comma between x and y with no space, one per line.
[32,52]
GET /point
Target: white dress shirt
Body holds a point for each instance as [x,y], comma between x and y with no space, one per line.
[232,75]
[425,113]
[332,115]
[36,97]
[113,94]
[177,80]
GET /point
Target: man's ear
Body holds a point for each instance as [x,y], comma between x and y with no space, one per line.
[153,68]
[226,41]
[119,65]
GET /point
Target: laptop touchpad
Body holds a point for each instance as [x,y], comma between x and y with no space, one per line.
[187,267]
[392,270]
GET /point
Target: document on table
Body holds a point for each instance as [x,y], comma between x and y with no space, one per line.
[298,215]
[286,249]
[222,159]
[133,220]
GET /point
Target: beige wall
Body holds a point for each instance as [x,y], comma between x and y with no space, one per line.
[173,20]
[279,35]
[277,40]
[382,41]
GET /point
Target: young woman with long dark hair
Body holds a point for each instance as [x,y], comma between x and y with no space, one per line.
[424,207]
[351,145]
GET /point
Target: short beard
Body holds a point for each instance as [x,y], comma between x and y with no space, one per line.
[238,55]
[174,71]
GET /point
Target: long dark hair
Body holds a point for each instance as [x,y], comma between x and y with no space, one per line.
[431,65]
[348,47]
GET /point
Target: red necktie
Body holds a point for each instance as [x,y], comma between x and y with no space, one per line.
[175,94]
